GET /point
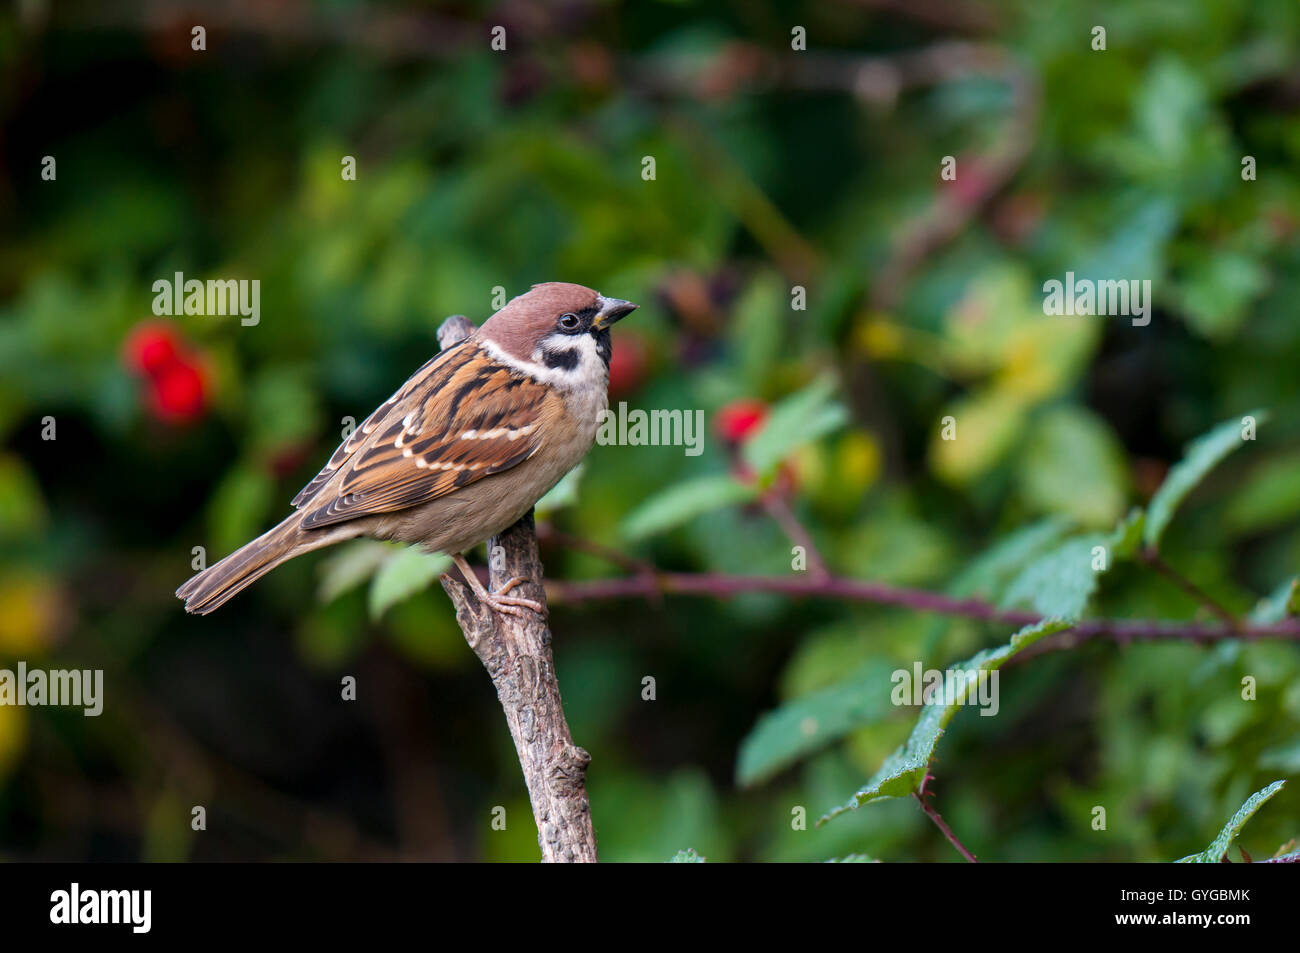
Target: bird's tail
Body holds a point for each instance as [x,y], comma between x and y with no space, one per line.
[221,581]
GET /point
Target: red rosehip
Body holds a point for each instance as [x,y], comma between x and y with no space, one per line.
[151,347]
[177,393]
[739,419]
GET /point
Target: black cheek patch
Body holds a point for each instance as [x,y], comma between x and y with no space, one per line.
[603,346]
[566,359]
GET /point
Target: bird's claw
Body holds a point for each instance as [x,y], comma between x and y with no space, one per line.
[511,605]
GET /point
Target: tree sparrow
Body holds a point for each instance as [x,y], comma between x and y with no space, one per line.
[461,451]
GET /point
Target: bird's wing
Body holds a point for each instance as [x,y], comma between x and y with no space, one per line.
[459,418]
[354,440]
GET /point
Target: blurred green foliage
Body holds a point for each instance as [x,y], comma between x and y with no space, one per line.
[774,168]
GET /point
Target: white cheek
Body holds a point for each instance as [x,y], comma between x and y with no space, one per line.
[582,386]
[587,370]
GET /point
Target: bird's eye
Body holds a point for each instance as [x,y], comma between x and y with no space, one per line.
[569,322]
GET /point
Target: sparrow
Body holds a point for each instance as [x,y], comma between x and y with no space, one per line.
[460,452]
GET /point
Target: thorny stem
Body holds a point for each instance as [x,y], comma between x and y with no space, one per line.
[778,507]
[939,822]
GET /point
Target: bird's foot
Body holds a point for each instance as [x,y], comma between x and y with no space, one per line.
[500,600]
[506,603]
[511,605]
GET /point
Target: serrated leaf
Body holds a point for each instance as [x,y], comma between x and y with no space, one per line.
[903,771]
[687,856]
[402,575]
[989,572]
[802,726]
[1200,457]
[1214,853]
[1060,583]
[350,565]
[683,502]
[798,419]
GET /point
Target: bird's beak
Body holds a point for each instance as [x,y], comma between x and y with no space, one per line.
[611,310]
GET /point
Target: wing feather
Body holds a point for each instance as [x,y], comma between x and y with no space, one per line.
[462,417]
[357,437]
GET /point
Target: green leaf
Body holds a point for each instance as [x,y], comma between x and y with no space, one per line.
[1127,535]
[350,565]
[800,727]
[1221,284]
[755,334]
[22,511]
[1060,583]
[854,859]
[564,493]
[1072,464]
[903,771]
[403,574]
[1268,497]
[683,502]
[282,409]
[1214,853]
[1282,602]
[687,856]
[798,419]
[238,506]
[1200,457]
[1283,758]
[989,422]
[988,573]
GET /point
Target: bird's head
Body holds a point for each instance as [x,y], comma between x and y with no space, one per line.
[563,328]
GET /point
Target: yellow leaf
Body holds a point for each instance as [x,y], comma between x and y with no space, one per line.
[984,427]
[29,606]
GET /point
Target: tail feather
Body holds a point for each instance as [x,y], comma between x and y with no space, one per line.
[223,580]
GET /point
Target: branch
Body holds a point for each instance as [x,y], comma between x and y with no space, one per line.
[939,822]
[724,585]
[516,651]
[778,507]
[1152,559]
